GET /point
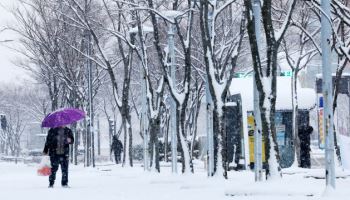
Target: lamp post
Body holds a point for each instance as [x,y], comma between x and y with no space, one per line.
[209,107]
[171,45]
[172,15]
[90,154]
[144,113]
[257,118]
[326,37]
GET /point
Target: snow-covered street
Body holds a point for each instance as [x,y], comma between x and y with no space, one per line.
[109,181]
[175,100]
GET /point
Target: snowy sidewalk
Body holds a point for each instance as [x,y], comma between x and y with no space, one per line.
[295,184]
[18,182]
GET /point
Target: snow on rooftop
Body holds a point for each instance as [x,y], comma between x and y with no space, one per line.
[244,86]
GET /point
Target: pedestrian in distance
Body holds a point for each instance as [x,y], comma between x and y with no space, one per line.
[57,147]
[304,133]
[117,148]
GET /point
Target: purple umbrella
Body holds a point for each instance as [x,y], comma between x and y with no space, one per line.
[63,117]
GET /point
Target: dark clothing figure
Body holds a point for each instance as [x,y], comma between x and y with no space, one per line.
[57,147]
[55,162]
[304,137]
[117,148]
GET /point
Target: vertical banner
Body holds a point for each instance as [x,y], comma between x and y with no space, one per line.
[251,127]
[321,135]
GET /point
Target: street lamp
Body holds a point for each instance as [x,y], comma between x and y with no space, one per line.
[258,127]
[209,99]
[172,15]
[144,124]
[326,37]
[90,153]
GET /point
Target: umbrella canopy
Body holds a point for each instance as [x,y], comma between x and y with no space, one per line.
[63,117]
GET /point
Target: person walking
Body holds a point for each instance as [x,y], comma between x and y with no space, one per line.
[57,147]
[117,148]
[304,137]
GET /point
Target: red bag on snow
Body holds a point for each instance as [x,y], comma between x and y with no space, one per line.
[44,168]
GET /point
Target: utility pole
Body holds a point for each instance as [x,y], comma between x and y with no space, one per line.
[209,101]
[173,110]
[87,122]
[257,117]
[144,118]
[326,37]
[144,110]
[90,124]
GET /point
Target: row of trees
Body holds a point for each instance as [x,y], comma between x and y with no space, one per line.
[132,58]
[16,114]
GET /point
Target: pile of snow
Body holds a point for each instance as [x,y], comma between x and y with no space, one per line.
[244,86]
[344,143]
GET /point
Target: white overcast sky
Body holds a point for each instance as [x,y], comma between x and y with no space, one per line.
[9,73]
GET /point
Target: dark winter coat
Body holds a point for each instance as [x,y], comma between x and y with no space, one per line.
[304,137]
[117,146]
[51,141]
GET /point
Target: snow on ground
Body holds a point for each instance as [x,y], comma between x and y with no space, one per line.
[108,181]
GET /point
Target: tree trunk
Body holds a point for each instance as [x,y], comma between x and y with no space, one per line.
[267,113]
[131,155]
[125,144]
[220,141]
[335,99]
[154,143]
[187,165]
[295,121]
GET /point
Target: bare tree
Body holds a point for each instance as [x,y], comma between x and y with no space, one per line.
[340,45]
[222,43]
[46,41]
[275,24]
[299,51]
[16,114]
[84,18]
